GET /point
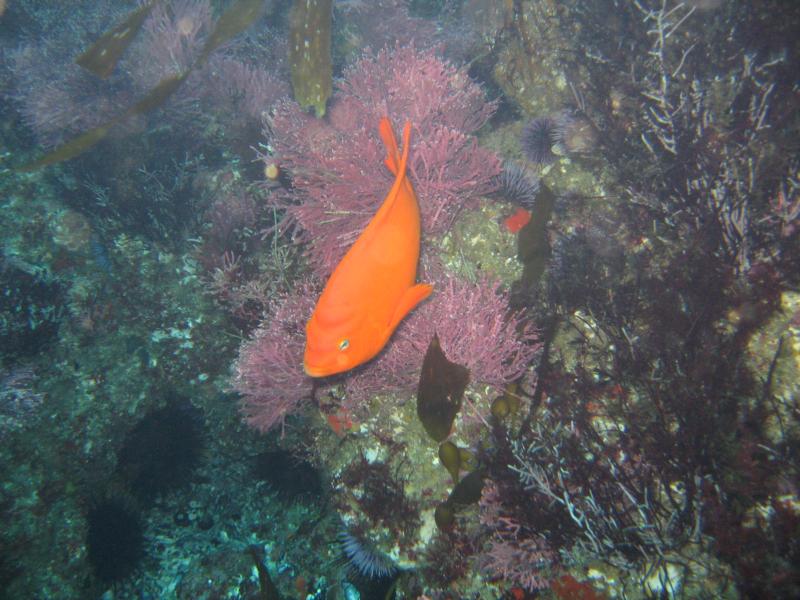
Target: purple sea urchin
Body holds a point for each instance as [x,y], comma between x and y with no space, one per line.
[575,134]
[538,138]
[115,545]
[517,185]
[364,558]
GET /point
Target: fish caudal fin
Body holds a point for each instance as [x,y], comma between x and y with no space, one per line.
[394,161]
[412,296]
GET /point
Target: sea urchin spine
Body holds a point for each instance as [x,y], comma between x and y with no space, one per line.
[538,138]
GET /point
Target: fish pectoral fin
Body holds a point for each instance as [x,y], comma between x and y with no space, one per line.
[412,296]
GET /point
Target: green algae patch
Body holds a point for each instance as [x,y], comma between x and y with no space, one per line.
[479,244]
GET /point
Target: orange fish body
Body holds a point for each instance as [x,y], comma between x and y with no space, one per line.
[374,286]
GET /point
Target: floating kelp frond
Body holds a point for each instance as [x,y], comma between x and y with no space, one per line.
[157,96]
[233,21]
[468,490]
[310,53]
[440,392]
[71,149]
[455,459]
[154,98]
[533,245]
[450,458]
[506,404]
[104,54]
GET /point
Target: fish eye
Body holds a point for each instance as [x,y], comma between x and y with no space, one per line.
[344,344]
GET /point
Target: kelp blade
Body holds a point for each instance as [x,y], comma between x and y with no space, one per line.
[72,148]
[533,246]
[233,21]
[440,392]
[104,54]
[158,95]
[450,457]
[310,24]
[468,490]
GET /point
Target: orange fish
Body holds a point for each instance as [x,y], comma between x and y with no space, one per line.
[374,286]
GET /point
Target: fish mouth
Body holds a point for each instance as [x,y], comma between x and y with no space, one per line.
[313,371]
[324,365]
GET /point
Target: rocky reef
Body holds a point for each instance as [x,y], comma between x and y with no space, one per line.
[599,399]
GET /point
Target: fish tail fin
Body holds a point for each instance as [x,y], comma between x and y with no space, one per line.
[394,161]
[392,153]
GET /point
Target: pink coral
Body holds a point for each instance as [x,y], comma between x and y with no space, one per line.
[171,40]
[474,325]
[338,181]
[405,83]
[59,100]
[475,328]
[449,171]
[337,168]
[378,23]
[243,92]
[170,43]
[519,562]
[269,371]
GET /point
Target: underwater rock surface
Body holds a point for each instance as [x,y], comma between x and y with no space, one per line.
[610,203]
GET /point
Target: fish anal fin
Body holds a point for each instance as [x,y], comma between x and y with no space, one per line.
[412,296]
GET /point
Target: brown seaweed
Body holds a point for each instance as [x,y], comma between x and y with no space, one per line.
[533,247]
[310,25]
[468,490]
[157,96]
[154,98]
[450,457]
[71,149]
[233,21]
[440,392]
[104,54]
